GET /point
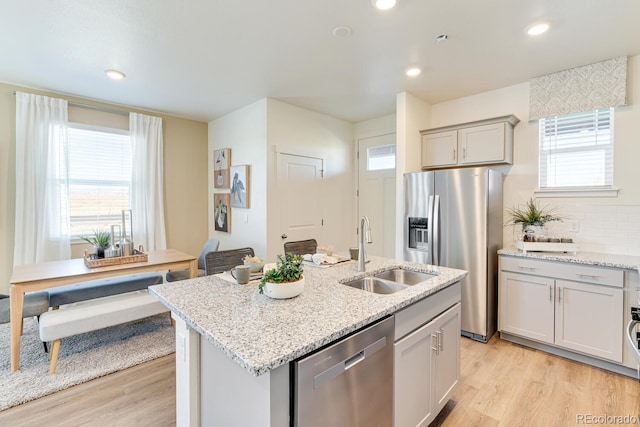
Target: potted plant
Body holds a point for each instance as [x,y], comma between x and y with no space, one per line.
[100,241]
[532,217]
[284,281]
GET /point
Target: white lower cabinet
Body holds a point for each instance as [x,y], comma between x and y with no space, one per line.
[579,315]
[426,369]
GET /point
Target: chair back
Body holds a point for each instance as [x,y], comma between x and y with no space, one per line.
[210,246]
[221,261]
[301,247]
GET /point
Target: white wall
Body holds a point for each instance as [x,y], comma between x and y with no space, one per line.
[606,224]
[245,132]
[298,131]
[413,115]
[254,134]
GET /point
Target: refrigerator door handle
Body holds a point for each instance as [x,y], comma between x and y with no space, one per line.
[430,231]
[436,230]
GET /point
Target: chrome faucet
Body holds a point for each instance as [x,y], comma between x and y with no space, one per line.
[364,221]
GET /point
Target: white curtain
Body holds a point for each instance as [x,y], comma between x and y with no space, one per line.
[147,182]
[42,209]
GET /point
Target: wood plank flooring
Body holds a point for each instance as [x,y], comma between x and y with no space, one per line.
[503,384]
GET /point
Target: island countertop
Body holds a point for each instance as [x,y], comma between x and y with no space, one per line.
[261,333]
[626,262]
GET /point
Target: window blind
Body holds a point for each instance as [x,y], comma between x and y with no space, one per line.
[576,150]
[99,178]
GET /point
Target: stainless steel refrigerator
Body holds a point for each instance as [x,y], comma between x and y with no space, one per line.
[453,218]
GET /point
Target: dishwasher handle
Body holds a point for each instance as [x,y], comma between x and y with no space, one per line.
[348,363]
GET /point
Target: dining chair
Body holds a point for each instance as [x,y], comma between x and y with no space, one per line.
[221,261]
[210,246]
[301,247]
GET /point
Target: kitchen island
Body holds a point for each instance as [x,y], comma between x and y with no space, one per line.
[234,345]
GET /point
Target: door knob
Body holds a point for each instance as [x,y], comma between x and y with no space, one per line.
[283,236]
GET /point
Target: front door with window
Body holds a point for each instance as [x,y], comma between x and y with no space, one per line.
[377,191]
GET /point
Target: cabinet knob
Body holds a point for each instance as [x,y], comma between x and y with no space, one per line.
[283,236]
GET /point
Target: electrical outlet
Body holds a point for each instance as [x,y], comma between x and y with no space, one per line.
[574,227]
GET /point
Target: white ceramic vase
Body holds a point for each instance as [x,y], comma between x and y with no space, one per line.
[284,290]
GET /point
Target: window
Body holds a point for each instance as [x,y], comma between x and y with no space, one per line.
[576,150]
[381,157]
[99,177]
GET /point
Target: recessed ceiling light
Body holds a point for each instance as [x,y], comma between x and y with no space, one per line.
[342,31]
[537,29]
[115,74]
[384,4]
[413,71]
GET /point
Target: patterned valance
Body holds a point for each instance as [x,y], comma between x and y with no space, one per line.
[587,88]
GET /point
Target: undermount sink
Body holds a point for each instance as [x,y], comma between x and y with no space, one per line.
[376,285]
[406,277]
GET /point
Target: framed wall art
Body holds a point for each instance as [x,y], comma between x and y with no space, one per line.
[240,186]
[221,164]
[221,213]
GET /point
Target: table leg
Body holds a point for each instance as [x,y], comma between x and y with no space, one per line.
[17,300]
[193,269]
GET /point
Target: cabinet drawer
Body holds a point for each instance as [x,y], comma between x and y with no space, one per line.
[564,270]
[411,318]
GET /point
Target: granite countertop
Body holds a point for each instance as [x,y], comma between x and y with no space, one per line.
[626,262]
[261,333]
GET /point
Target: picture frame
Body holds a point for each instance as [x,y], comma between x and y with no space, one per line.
[221,212]
[221,165]
[240,186]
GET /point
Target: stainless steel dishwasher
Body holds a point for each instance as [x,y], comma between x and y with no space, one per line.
[349,383]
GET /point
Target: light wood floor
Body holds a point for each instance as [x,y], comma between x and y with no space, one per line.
[503,384]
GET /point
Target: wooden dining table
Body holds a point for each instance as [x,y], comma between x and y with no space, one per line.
[34,277]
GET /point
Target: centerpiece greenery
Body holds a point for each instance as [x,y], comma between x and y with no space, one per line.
[532,214]
[100,240]
[288,270]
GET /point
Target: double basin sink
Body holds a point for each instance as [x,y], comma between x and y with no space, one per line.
[389,281]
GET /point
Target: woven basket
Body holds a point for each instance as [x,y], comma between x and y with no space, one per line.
[105,262]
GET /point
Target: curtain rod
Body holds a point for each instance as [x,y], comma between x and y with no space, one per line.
[96,107]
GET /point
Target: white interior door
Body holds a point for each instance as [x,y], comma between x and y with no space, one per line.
[377,191]
[300,198]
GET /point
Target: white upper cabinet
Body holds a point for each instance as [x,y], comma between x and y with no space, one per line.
[483,142]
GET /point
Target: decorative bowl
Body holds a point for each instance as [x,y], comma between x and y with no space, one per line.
[284,290]
[255,266]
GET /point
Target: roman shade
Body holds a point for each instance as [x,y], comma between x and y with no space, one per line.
[587,88]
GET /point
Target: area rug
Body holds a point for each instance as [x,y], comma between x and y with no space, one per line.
[82,357]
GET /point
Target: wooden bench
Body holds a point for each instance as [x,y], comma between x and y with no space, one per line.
[91,315]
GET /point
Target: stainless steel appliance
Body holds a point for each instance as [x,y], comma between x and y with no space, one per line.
[349,383]
[453,218]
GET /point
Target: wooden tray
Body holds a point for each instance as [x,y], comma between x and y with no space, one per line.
[105,262]
[546,247]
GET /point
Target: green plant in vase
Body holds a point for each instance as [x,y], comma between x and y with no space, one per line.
[100,241]
[288,269]
[532,215]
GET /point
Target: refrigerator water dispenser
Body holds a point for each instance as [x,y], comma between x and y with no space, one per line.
[418,233]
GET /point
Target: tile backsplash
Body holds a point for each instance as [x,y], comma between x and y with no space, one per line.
[598,228]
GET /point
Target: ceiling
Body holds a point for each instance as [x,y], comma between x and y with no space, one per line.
[201,59]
